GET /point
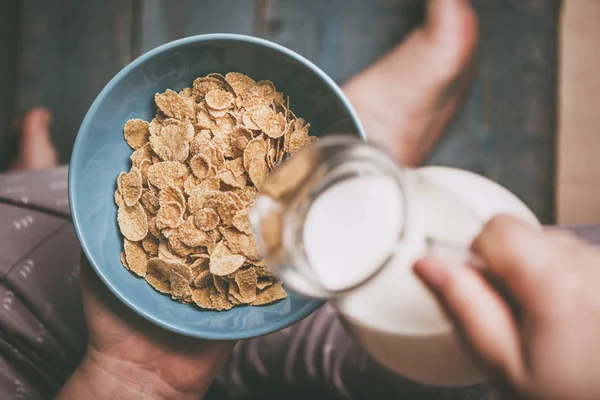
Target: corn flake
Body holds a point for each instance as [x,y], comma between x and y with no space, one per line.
[189,184]
[239,82]
[173,195]
[219,301]
[220,284]
[248,121]
[201,168]
[264,282]
[177,247]
[150,245]
[173,105]
[172,141]
[204,85]
[149,201]
[271,123]
[158,285]
[203,279]
[152,229]
[218,99]
[241,221]
[206,219]
[136,257]
[136,133]
[229,178]
[191,236]
[165,253]
[201,297]
[247,281]
[223,262]
[130,186]
[240,243]
[257,171]
[257,148]
[180,279]
[118,198]
[170,215]
[270,294]
[167,174]
[133,222]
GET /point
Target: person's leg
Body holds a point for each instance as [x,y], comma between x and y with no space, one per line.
[406,99]
[317,358]
[42,330]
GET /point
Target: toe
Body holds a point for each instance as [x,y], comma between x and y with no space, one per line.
[36,150]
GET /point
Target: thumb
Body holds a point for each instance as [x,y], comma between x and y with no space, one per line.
[480,314]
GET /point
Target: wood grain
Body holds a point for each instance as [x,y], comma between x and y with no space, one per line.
[69,50]
[507,129]
[166,20]
[340,36]
[9,40]
[578,189]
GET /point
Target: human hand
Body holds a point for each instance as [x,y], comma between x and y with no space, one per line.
[532,316]
[129,357]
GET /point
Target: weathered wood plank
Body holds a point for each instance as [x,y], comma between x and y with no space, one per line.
[357,32]
[341,36]
[166,20]
[69,51]
[293,24]
[8,53]
[507,129]
[578,180]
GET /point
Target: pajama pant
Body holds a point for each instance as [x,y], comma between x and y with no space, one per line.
[43,334]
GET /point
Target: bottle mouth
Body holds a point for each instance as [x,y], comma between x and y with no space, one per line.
[329,219]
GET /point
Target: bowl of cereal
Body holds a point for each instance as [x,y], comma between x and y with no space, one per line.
[166,165]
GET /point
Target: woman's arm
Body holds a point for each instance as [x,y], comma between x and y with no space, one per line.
[130,358]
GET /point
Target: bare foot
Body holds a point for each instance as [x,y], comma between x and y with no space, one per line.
[406,99]
[35,150]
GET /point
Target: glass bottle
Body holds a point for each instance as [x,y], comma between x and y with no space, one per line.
[340,221]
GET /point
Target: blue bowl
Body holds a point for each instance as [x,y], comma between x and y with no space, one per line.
[100,154]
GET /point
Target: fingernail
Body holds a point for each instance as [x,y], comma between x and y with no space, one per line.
[432,271]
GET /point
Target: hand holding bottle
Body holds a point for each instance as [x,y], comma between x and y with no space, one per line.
[532,316]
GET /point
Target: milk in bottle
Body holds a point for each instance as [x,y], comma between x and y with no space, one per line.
[340,221]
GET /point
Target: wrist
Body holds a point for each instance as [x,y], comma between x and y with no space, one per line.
[100,377]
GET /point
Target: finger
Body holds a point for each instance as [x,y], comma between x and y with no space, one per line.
[521,258]
[482,317]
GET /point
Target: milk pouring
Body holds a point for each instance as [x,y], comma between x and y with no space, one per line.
[340,221]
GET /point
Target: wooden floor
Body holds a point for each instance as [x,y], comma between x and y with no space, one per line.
[60,53]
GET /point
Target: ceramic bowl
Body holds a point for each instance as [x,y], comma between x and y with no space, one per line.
[100,154]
